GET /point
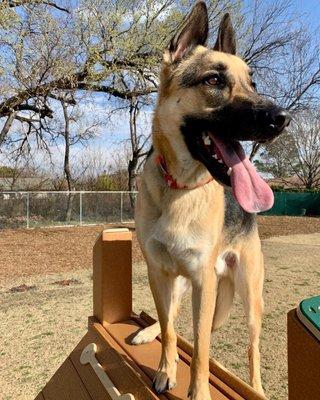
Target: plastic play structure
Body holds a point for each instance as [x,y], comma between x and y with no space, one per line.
[104,365]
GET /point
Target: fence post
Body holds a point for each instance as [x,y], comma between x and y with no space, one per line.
[28,212]
[121,207]
[80,206]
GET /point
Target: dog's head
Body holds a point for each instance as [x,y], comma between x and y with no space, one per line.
[209,98]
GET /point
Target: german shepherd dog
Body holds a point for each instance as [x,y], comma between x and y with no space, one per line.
[195,213]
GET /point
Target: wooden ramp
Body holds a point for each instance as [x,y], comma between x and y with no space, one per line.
[130,368]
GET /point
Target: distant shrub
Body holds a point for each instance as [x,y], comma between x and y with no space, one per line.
[280,188]
[7,172]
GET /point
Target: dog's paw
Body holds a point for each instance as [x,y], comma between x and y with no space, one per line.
[199,391]
[163,382]
[147,334]
[258,387]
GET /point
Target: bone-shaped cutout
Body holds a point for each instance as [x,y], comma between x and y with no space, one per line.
[88,356]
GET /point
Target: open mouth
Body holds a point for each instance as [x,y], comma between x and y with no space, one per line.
[228,163]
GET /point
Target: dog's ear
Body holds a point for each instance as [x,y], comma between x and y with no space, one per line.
[193,32]
[226,40]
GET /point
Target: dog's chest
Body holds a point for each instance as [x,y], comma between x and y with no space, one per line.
[186,233]
[183,251]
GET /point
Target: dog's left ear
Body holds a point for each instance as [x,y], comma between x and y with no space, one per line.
[226,40]
[194,32]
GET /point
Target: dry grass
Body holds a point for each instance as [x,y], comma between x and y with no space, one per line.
[40,326]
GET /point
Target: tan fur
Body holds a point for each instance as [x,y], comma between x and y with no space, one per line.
[181,235]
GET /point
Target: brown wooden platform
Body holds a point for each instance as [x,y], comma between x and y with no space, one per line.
[303,360]
[131,368]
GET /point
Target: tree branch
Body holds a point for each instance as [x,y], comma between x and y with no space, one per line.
[18,3]
[124,95]
[7,126]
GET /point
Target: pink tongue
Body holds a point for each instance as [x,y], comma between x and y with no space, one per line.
[250,190]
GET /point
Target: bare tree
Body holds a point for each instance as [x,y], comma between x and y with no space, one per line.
[138,141]
[297,153]
[114,47]
[277,158]
[306,136]
[66,163]
[73,134]
[120,159]
[102,46]
[284,55]
[93,170]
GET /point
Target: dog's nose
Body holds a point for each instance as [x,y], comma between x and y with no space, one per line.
[279,119]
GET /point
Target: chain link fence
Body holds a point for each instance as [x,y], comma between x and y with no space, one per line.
[43,209]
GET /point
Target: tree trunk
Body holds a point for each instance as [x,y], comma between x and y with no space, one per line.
[132,173]
[132,166]
[137,146]
[6,127]
[66,165]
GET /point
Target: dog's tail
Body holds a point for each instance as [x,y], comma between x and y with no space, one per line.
[225,296]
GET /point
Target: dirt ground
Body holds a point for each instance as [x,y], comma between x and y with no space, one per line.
[40,326]
[55,250]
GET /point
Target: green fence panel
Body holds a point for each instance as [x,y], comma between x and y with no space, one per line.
[279,207]
[295,204]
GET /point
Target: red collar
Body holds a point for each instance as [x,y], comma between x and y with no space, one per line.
[171,182]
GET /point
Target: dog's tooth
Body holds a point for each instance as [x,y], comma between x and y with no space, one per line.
[207,141]
[215,156]
[229,171]
[220,161]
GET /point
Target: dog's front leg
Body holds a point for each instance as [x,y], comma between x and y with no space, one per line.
[203,304]
[165,292]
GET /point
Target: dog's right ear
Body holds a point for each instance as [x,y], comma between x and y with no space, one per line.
[193,32]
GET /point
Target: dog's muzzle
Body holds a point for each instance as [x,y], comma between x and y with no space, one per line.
[273,121]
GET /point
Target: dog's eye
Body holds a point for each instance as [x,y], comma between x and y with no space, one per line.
[254,85]
[213,80]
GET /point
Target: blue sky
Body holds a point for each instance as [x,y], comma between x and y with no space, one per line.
[311,9]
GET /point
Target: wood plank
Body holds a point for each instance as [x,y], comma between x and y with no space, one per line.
[120,373]
[39,397]
[89,378]
[66,385]
[218,371]
[148,379]
[147,356]
[101,331]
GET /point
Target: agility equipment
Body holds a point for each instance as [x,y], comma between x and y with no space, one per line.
[304,350]
[105,365]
